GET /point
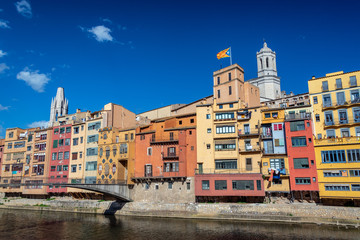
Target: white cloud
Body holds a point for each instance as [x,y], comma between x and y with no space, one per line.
[40,124]
[2,108]
[2,53]
[4,24]
[34,79]
[24,8]
[107,20]
[3,67]
[101,33]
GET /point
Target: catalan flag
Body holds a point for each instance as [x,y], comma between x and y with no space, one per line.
[223,54]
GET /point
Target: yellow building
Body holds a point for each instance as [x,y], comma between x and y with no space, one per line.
[116,155]
[336,102]
[274,151]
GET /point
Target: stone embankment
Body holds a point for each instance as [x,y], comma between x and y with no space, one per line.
[295,213]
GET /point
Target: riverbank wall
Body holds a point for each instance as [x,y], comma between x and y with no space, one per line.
[293,213]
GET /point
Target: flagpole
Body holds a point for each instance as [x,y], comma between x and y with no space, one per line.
[230,57]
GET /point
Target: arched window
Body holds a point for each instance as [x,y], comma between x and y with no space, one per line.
[261,64]
[114,150]
[267,62]
[107,152]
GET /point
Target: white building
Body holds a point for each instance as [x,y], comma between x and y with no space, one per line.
[267,80]
[59,106]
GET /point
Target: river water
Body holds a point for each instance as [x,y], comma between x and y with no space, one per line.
[18,224]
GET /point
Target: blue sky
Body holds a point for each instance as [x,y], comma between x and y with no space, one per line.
[148,54]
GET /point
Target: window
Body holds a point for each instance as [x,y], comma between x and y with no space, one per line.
[149,151]
[180,122]
[208,116]
[209,130]
[334,173]
[355,187]
[220,185]
[315,100]
[188,186]
[68,129]
[91,152]
[225,129]
[123,148]
[94,126]
[9,145]
[297,126]
[208,146]
[277,163]
[248,164]
[345,132]
[192,120]
[267,115]
[302,181]
[11,134]
[67,142]
[325,86]
[75,141]
[327,100]
[53,169]
[221,106]
[73,168]
[171,151]
[126,137]
[105,136]
[171,167]
[226,164]
[356,114]
[81,139]
[170,185]
[229,146]
[298,141]
[340,97]
[80,165]
[258,185]
[343,116]
[132,136]
[218,92]
[353,82]
[60,155]
[317,117]
[58,168]
[220,116]
[230,90]
[62,130]
[76,130]
[338,83]
[56,131]
[337,187]
[231,105]
[229,76]
[353,155]
[300,163]
[92,138]
[74,156]
[205,184]
[65,167]
[66,155]
[243,185]
[91,166]
[354,173]
[61,142]
[330,133]
[218,80]
[355,98]
[54,155]
[333,156]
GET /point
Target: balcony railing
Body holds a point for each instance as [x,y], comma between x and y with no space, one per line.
[266,133]
[298,116]
[225,119]
[341,122]
[249,132]
[337,141]
[338,104]
[271,152]
[170,156]
[249,149]
[267,171]
[249,170]
[162,140]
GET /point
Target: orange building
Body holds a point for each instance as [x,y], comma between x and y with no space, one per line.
[165,160]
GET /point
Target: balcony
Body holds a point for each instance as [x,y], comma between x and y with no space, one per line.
[170,156]
[224,119]
[298,116]
[157,176]
[164,140]
[283,171]
[266,133]
[336,141]
[272,152]
[227,171]
[243,116]
[335,104]
[249,133]
[342,122]
[249,149]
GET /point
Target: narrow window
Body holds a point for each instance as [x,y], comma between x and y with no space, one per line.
[229,90]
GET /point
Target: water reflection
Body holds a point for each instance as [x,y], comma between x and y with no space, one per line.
[16,224]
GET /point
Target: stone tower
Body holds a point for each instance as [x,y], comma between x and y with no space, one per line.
[267,80]
[59,106]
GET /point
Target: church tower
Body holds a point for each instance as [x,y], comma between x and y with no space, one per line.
[267,80]
[59,106]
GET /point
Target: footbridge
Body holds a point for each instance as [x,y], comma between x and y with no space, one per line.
[117,189]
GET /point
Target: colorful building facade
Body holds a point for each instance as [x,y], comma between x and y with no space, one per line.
[336,102]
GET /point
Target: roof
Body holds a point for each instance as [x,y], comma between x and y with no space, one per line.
[333,75]
[192,102]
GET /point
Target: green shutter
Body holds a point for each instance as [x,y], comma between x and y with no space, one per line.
[55,144]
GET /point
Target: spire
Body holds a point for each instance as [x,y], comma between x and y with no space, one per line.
[59,106]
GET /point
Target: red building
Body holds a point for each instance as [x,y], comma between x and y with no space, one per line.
[301,154]
[60,155]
